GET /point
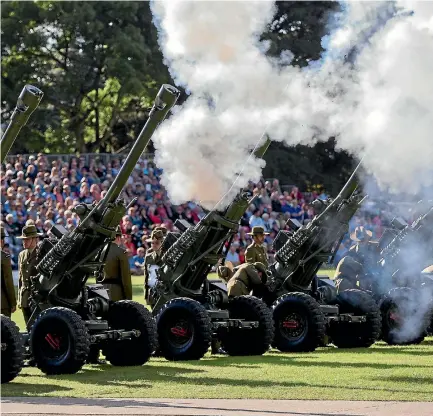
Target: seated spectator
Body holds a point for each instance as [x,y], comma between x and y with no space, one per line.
[232,255]
[138,261]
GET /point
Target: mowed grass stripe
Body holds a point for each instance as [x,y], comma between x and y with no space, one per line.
[381,372]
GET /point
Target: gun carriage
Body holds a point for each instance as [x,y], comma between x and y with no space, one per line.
[401,281]
[191,310]
[308,311]
[70,318]
[12,345]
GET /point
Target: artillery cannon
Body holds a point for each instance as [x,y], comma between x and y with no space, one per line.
[12,348]
[307,311]
[396,279]
[68,317]
[27,103]
[190,310]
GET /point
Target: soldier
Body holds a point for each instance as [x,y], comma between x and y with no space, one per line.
[8,299]
[256,252]
[246,277]
[27,267]
[152,262]
[361,258]
[117,272]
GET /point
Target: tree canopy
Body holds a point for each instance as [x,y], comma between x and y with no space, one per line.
[100,66]
[91,59]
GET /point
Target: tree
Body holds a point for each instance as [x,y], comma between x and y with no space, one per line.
[95,61]
[299,27]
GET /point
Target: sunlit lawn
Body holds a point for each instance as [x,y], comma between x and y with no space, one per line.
[380,372]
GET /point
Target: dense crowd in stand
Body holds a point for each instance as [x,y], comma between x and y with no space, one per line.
[46,191]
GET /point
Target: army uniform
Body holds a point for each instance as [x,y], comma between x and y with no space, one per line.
[360,257]
[256,253]
[117,273]
[346,274]
[27,262]
[244,279]
[152,261]
[8,298]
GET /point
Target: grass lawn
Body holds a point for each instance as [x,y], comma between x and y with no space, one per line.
[381,372]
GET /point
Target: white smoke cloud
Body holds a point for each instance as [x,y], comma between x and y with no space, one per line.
[381,106]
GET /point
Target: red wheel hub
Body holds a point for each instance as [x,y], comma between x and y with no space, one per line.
[290,324]
[53,341]
[179,331]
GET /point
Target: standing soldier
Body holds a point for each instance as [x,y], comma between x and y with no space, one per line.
[27,267]
[117,272]
[256,252]
[8,299]
[152,262]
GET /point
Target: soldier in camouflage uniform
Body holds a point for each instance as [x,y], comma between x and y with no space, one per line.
[27,267]
[117,272]
[245,278]
[255,252]
[361,258]
[152,261]
[8,298]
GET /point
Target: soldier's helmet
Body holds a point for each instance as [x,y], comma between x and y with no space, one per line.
[260,267]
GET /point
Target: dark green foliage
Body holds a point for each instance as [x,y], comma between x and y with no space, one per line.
[95,61]
[99,65]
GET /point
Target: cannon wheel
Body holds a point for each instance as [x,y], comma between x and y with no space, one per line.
[397,304]
[299,323]
[129,315]
[248,341]
[12,352]
[356,334]
[59,341]
[184,330]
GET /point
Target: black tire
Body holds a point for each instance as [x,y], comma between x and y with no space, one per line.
[299,323]
[12,352]
[253,341]
[356,334]
[129,315]
[400,304]
[59,341]
[184,330]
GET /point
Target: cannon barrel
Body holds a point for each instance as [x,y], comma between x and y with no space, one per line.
[345,193]
[164,101]
[260,152]
[28,101]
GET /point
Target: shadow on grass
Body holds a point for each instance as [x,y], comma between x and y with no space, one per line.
[124,403]
[302,361]
[406,379]
[392,350]
[19,389]
[148,376]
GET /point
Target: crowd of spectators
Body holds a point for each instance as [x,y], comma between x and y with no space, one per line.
[46,191]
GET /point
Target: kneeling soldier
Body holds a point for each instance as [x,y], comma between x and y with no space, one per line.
[245,278]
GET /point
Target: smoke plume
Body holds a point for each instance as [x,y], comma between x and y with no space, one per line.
[378,103]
